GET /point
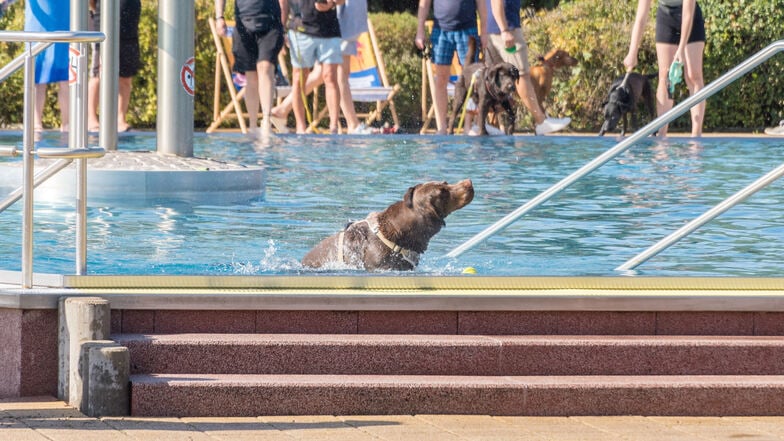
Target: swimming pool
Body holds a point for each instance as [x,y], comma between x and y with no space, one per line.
[316,184]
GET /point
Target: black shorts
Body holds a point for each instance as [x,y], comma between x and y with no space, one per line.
[668,25]
[251,47]
[129,52]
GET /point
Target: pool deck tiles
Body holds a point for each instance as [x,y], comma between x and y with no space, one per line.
[47,419]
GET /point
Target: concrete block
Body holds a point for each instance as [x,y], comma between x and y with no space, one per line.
[105,370]
[80,318]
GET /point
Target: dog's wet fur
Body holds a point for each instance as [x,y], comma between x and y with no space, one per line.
[624,99]
[409,224]
[493,90]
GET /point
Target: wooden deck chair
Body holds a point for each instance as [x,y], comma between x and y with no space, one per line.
[428,83]
[368,81]
[224,60]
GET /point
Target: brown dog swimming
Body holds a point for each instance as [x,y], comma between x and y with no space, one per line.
[393,239]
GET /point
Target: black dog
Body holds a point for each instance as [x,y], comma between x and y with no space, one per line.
[625,94]
[493,89]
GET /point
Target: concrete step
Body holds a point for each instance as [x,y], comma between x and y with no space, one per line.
[252,395]
[453,354]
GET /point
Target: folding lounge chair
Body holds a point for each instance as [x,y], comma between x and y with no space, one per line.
[368,81]
[224,60]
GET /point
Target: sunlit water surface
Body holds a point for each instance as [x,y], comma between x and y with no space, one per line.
[315,184]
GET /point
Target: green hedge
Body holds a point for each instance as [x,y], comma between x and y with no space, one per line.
[596,32]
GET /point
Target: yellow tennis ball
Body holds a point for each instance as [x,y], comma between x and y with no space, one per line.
[469,270]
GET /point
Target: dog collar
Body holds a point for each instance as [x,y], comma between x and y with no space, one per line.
[409,256]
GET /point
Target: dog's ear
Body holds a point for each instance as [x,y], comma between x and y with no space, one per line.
[515,73]
[408,199]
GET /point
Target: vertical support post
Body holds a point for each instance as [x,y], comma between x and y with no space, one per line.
[27,173]
[77,135]
[176,79]
[110,67]
[80,319]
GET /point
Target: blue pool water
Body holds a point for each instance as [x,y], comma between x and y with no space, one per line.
[317,183]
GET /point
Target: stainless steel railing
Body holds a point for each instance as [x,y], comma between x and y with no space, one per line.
[78,150]
[709,90]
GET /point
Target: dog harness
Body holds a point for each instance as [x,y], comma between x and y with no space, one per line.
[409,256]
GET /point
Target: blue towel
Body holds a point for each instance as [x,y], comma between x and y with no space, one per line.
[51,65]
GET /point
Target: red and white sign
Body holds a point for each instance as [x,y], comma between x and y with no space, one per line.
[73,64]
[187,76]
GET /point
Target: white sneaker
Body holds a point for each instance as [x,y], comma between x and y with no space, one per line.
[493,130]
[550,125]
[776,131]
[362,129]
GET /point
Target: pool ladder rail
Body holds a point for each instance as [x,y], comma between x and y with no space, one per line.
[709,90]
[36,42]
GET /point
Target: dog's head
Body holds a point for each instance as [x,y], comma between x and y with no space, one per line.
[559,58]
[439,199]
[502,78]
[619,101]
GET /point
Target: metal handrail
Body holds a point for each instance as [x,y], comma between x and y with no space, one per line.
[76,138]
[706,217]
[709,90]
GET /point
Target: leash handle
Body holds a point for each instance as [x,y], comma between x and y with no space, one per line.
[468,97]
[625,79]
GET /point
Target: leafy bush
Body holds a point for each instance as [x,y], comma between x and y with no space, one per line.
[597,33]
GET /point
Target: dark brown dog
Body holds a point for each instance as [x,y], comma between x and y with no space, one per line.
[542,73]
[493,90]
[625,94]
[394,238]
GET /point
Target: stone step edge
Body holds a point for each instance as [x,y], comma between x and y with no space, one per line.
[253,395]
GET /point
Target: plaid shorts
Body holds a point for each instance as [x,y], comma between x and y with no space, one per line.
[445,43]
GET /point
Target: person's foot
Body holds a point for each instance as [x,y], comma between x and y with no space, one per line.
[550,125]
[361,129]
[776,131]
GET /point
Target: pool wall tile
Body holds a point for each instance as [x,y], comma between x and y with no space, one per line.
[407,322]
[115,321]
[556,322]
[705,323]
[39,352]
[308,322]
[769,323]
[136,321]
[205,321]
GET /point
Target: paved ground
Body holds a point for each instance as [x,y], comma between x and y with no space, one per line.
[45,418]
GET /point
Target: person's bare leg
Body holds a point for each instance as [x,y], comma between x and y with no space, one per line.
[527,94]
[313,81]
[40,100]
[266,78]
[346,99]
[695,83]
[124,99]
[332,95]
[440,96]
[93,89]
[665,53]
[252,99]
[63,96]
[297,104]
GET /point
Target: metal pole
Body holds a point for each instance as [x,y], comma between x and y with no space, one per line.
[709,90]
[27,173]
[110,66]
[175,77]
[703,219]
[77,135]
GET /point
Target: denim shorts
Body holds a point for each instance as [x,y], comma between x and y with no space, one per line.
[307,49]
